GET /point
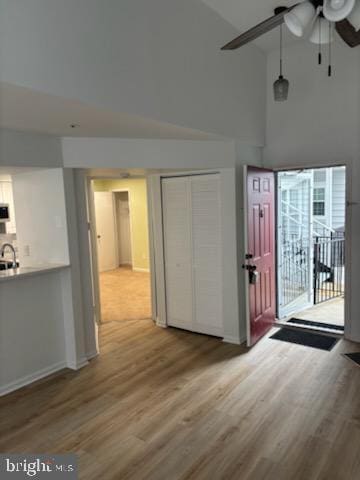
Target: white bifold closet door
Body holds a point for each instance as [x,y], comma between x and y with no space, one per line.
[193,250]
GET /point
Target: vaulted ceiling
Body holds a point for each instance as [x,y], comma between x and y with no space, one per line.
[28,110]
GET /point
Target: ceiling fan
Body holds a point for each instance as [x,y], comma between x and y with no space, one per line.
[344,14]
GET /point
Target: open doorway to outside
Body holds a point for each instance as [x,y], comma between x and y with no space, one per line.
[311,247]
[122,241]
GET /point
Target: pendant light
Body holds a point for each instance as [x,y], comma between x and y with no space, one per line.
[300,17]
[281,85]
[337,10]
[321,33]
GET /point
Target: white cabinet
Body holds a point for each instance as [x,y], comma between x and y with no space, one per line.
[193,252]
[6,196]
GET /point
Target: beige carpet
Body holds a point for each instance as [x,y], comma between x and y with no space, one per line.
[125,295]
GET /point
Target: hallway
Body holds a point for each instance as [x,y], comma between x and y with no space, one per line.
[125,295]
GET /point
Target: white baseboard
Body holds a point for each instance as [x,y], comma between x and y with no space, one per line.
[93,354]
[233,339]
[80,363]
[28,379]
[136,269]
[160,324]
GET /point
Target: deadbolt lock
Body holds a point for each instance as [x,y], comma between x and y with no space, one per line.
[253,277]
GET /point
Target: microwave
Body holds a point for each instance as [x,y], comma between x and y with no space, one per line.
[4,212]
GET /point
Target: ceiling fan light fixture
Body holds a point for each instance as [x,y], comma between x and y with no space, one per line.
[321,33]
[300,17]
[354,17]
[337,10]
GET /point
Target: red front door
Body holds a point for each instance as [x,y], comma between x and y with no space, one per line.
[260,262]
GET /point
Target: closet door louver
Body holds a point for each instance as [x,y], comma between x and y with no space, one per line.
[206,253]
[177,242]
[193,249]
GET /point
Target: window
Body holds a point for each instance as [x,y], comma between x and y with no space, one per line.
[319,202]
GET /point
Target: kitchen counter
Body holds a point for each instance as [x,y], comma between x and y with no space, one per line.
[21,272]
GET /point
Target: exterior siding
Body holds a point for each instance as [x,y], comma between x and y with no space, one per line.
[339,197]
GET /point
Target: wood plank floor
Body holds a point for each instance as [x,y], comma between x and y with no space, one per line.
[169,405]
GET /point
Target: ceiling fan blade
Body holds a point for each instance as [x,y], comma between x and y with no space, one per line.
[348,33]
[258,30]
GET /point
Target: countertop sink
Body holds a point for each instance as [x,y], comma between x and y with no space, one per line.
[7,265]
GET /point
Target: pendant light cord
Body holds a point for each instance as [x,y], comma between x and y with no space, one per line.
[281,51]
[330,66]
[320,54]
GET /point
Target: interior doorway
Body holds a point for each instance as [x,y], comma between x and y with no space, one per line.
[122,247]
[310,230]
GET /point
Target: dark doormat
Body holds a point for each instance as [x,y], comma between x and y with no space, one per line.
[310,323]
[314,340]
[355,357]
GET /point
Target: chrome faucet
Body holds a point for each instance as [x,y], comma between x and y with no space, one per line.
[2,251]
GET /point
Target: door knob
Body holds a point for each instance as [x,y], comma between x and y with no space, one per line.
[251,268]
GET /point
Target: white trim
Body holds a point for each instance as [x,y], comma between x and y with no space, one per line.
[33,377]
[145,270]
[234,340]
[348,231]
[151,251]
[92,354]
[93,248]
[80,363]
[159,323]
[246,273]
[94,263]
[348,237]
[154,185]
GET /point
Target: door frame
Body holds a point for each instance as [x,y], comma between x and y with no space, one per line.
[90,200]
[348,229]
[246,249]
[309,294]
[116,220]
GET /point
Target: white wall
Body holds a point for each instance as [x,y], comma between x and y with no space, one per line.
[32,341]
[160,59]
[124,153]
[41,217]
[42,313]
[338,196]
[319,125]
[138,153]
[20,149]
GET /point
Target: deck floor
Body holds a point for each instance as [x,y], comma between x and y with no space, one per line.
[331,312]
